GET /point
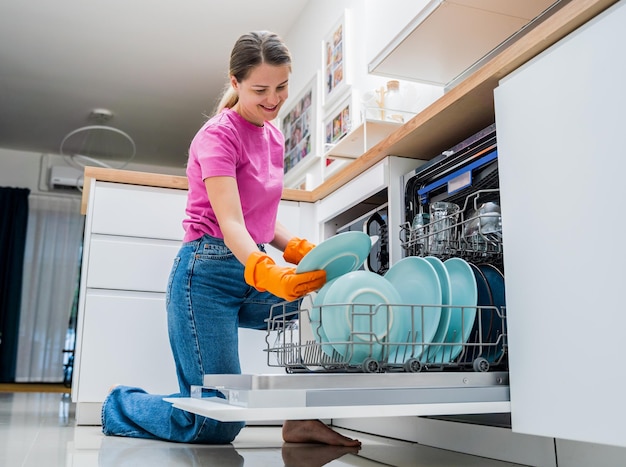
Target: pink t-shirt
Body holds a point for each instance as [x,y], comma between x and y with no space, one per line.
[229,145]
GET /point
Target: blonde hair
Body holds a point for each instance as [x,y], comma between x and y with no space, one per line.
[250,51]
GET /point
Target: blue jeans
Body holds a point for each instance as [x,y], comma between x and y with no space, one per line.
[207,300]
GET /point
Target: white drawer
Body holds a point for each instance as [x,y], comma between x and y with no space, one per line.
[138,211]
[124,340]
[128,263]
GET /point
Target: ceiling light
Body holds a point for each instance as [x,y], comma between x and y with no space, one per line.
[90,144]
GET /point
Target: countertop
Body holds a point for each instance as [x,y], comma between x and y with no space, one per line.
[156,180]
[461,112]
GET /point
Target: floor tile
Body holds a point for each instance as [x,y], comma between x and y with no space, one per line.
[37,429]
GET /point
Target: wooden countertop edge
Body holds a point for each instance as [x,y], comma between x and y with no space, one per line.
[130,177]
[157,180]
[464,109]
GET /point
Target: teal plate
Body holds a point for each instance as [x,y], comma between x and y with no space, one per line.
[417,282]
[446,300]
[353,322]
[338,255]
[464,293]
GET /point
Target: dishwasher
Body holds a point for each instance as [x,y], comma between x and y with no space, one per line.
[405,377]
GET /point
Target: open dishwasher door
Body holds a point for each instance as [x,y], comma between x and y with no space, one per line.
[347,395]
[321,383]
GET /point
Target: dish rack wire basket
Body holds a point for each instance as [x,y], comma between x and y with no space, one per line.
[464,235]
[299,344]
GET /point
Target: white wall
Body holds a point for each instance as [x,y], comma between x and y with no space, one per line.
[24,169]
[371,25]
[385,20]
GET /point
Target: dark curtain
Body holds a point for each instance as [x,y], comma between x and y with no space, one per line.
[13,222]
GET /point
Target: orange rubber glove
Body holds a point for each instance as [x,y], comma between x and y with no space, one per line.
[262,273]
[296,249]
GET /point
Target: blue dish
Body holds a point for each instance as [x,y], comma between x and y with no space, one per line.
[338,255]
[495,279]
[353,324]
[482,325]
[464,294]
[446,299]
[417,282]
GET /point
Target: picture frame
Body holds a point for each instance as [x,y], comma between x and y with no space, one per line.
[335,61]
[338,122]
[299,125]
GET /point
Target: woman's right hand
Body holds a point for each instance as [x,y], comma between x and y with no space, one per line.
[262,273]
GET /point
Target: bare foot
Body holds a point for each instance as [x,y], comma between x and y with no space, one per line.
[314,455]
[314,431]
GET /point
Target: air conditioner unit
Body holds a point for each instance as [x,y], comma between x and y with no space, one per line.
[65,177]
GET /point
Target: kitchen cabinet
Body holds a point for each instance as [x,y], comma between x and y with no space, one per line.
[132,234]
[448,37]
[560,138]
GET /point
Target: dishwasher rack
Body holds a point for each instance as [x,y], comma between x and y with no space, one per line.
[298,343]
[466,237]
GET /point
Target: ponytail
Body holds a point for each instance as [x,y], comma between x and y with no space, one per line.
[228,100]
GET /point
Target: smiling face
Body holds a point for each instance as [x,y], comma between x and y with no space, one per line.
[262,93]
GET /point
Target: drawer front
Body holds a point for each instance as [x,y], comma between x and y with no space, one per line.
[124,340]
[127,263]
[138,211]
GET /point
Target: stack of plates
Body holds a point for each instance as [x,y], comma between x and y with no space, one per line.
[417,282]
[422,308]
[462,313]
[338,256]
[358,314]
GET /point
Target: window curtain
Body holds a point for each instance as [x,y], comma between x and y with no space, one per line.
[50,282]
[13,224]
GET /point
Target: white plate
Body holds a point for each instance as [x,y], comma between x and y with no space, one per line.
[350,313]
[417,282]
[338,255]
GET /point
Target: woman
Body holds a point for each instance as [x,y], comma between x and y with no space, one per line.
[222,278]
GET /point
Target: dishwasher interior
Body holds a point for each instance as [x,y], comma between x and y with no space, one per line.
[464,181]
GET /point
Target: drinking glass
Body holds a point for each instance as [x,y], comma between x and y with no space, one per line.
[443,217]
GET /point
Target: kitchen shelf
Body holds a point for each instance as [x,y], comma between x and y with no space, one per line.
[362,138]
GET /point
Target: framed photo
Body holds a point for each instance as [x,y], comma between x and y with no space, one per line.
[335,71]
[299,126]
[338,122]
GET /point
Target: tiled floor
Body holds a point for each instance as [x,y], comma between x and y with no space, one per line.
[37,429]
